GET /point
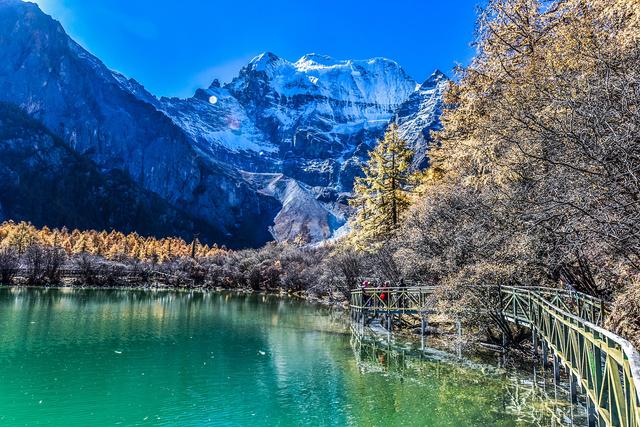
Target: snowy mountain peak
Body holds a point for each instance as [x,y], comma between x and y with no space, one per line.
[434,79]
[420,114]
[315,60]
[265,62]
[377,81]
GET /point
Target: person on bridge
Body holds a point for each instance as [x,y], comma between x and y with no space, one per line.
[384,295]
[363,287]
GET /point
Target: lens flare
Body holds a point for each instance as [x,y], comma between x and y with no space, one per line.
[213,99]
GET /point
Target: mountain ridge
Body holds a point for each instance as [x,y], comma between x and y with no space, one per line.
[313,120]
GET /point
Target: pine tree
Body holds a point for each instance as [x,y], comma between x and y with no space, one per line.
[384,193]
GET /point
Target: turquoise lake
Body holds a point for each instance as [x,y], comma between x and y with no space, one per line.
[113,357]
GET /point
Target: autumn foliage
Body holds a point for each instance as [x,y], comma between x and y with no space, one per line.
[111,245]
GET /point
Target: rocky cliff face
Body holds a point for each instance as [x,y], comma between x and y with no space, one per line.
[73,94]
[272,153]
[45,181]
[420,114]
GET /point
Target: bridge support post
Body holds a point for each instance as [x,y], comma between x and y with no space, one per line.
[389,322]
[422,325]
[545,353]
[556,369]
[591,413]
[573,388]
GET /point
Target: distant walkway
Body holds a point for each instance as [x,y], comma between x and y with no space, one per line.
[565,325]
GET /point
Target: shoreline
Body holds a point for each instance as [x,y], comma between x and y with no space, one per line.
[344,305]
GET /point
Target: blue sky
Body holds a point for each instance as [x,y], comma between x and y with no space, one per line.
[176,46]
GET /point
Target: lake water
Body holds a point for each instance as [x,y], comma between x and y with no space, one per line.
[94,357]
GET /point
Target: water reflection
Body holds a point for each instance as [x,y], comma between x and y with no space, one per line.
[533,397]
[86,357]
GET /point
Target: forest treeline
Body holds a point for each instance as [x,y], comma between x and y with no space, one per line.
[39,256]
[534,180]
[112,245]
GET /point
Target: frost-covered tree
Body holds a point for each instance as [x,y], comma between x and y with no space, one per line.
[382,195]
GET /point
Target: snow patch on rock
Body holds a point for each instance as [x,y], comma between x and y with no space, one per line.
[302,216]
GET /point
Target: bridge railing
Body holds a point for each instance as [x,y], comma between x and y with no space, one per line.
[577,303]
[392,299]
[570,323]
[417,298]
[606,365]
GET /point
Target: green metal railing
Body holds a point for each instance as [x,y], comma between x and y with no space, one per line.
[402,300]
[606,365]
[582,305]
[570,325]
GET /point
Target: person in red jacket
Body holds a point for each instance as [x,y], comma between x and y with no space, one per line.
[383,295]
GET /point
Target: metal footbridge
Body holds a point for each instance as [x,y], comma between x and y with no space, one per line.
[567,326]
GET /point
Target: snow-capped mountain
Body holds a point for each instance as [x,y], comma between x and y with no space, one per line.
[320,112]
[420,114]
[272,153]
[305,118]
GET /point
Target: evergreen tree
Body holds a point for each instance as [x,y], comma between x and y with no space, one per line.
[384,193]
